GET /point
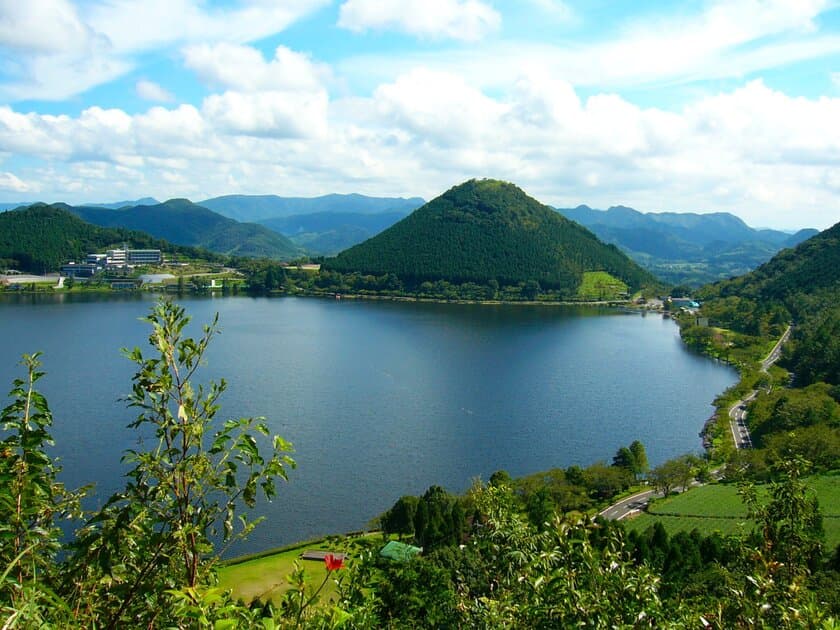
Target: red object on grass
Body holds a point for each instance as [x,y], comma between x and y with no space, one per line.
[333,563]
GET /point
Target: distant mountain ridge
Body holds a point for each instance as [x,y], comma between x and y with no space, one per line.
[257,208]
[182,222]
[115,205]
[485,230]
[328,233]
[686,247]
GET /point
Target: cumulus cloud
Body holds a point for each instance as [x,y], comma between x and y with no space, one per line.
[10,182]
[754,151]
[58,51]
[467,20]
[244,68]
[270,114]
[151,91]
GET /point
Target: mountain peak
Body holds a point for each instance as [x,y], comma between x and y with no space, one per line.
[487,229]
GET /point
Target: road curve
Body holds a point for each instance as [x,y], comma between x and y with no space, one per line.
[738,411]
[632,504]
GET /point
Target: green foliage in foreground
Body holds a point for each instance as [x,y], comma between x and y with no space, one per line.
[146,558]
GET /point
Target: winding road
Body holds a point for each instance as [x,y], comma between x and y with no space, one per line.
[738,412]
[740,434]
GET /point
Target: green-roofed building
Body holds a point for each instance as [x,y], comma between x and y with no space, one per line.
[399,551]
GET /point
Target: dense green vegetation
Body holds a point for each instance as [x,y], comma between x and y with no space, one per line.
[686,248]
[487,230]
[328,233]
[41,238]
[746,315]
[180,221]
[503,555]
[720,508]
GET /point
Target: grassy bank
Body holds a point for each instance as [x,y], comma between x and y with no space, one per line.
[718,507]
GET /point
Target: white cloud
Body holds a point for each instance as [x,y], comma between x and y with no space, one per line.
[244,68]
[755,151]
[438,108]
[59,51]
[10,182]
[270,114]
[140,26]
[42,26]
[728,39]
[151,91]
[467,20]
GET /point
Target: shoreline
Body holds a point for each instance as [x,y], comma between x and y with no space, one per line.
[627,304]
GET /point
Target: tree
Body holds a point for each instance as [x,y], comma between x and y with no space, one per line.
[672,474]
[400,518]
[623,458]
[640,460]
[31,498]
[156,536]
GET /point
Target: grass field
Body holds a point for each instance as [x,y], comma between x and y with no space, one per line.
[718,508]
[266,577]
[599,285]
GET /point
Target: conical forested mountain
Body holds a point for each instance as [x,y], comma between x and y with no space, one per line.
[483,230]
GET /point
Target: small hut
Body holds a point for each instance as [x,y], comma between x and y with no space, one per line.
[398,551]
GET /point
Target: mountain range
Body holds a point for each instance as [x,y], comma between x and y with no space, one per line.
[686,248]
[185,223]
[484,230]
[258,208]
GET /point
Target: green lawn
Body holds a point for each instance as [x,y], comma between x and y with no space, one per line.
[718,508]
[265,577]
[599,285]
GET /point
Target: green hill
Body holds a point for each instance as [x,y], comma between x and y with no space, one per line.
[183,222]
[40,238]
[686,248]
[483,230]
[800,285]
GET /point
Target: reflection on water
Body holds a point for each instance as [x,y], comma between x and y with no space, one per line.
[380,399]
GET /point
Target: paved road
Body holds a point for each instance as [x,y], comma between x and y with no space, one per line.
[630,505]
[738,412]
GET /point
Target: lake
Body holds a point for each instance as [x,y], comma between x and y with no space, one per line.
[380,399]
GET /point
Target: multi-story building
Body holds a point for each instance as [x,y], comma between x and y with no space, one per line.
[79,270]
[144,256]
[124,257]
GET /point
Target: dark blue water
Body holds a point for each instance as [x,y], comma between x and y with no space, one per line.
[380,399]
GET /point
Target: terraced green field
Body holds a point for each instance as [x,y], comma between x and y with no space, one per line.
[599,285]
[719,508]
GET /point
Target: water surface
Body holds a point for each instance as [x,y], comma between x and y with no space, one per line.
[380,399]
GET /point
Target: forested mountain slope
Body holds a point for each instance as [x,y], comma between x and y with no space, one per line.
[183,222]
[328,233]
[40,238]
[800,285]
[686,247]
[483,230]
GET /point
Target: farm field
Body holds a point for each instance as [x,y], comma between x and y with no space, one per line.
[718,507]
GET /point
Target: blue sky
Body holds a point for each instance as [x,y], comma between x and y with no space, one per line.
[715,105]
